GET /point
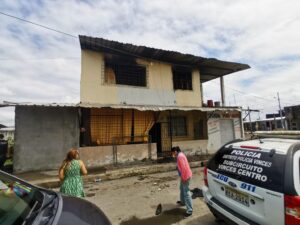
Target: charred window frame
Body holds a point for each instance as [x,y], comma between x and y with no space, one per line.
[178,126]
[182,78]
[199,130]
[125,74]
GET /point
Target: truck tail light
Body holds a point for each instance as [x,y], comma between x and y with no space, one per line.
[205,176]
[292,210]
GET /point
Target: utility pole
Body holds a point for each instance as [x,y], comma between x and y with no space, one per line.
[282,123]
[222,91]
[250,120]
[248,112]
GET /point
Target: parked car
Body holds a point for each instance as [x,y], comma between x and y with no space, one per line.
[24,204]
[255,182]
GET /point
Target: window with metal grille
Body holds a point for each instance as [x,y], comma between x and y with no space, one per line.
[199,130]
[182,79]
[178,126]
[125,74]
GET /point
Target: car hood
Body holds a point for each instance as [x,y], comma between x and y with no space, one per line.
[81,212]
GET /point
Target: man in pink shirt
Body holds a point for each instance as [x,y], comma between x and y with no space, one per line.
[185,174]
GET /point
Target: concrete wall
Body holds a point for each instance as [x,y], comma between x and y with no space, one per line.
[159,90]
[192,147]
[96,156]
[43,136]
[103,155]
[214,128]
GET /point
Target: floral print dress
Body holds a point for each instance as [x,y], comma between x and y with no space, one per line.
[72,184]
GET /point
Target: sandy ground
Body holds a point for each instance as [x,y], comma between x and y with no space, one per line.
[133,200]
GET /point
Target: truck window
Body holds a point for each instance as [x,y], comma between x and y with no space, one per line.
[251,166]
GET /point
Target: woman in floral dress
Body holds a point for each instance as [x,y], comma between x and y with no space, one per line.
[70,174]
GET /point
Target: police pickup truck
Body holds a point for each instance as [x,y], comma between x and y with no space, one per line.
[255,182]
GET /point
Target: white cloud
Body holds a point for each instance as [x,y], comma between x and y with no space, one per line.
[264,34]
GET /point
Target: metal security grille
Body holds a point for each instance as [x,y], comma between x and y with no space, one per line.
[125,74]
[178,126]
[182,79]
[104,128]
[116,126]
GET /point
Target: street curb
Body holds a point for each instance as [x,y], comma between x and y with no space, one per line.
[119,173]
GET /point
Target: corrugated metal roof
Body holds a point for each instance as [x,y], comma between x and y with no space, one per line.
[159,108]
[122,106]
[7,104]
[210,68]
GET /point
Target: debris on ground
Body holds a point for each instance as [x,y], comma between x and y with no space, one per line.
[141,177]
[197,193]
[158,209]
[97,180]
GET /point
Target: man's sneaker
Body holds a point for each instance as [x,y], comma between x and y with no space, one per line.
[180,203]
[186,215]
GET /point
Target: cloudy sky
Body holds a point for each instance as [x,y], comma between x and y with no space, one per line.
[39,65]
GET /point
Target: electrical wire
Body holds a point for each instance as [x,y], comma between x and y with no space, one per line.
[37,24]
[39,59]
[255,96]
[91,42]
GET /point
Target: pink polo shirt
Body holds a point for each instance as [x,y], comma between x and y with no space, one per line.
[183,167]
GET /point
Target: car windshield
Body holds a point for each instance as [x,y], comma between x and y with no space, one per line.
[16,200]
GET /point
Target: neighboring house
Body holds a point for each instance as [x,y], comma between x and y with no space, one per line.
[267,124]
[135,103]
[290,119]
[8,132]
[293,117]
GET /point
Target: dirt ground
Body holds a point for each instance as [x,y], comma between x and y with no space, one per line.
[134,200]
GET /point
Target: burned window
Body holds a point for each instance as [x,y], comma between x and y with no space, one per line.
[182,78]
[125,74]
[199,130]
[178,126]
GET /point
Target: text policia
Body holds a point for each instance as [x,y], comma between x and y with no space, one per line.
[245,163]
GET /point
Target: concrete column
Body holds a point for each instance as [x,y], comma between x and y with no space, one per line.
[222,91]
[201,92]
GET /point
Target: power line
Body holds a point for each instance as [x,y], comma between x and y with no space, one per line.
[252,95]
[92,42]
[242,92]
[39,59]
[36,24]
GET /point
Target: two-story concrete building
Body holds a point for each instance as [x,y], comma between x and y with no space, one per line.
[136,103]
[138,95]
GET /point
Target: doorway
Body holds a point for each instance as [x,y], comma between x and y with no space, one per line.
[160,135]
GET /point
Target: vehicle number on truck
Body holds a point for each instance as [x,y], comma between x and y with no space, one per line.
[237,196]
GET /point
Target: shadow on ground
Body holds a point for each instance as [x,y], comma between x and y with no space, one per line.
[166,218]
[207,219]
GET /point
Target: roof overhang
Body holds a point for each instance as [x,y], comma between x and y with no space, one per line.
[12,104]
[121,106]
[210,68]
[159,108]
